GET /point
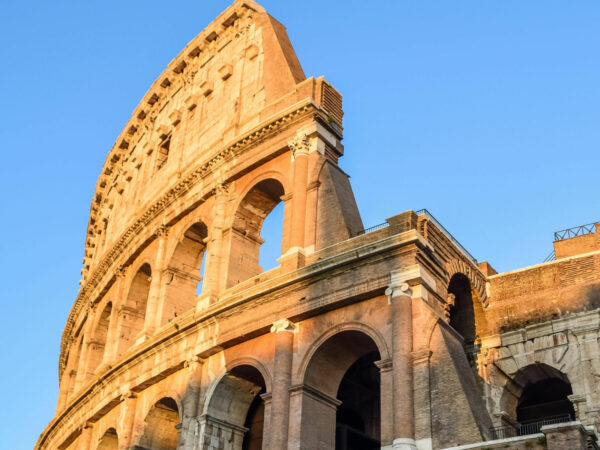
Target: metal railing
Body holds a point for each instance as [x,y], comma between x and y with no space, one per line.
[526,428]
[590,228]
[447,233]
[373,228]
[550,257]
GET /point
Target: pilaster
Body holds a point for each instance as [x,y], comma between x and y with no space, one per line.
[282,372]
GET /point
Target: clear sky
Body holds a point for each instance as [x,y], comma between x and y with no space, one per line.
[486,113]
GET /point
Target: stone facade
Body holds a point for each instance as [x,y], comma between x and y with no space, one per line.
[393,337]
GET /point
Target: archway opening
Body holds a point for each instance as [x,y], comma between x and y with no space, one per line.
[462,313]
[99,338]
[246,238]
[134,314]
[109,440]
[542,394]
[537,395]
[160,432]
[184,273]
[343,368]
[358,417]
[272,235]
[236,408]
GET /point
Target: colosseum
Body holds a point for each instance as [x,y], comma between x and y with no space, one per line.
[390,337]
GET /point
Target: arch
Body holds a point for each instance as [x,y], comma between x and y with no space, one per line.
[257,202]
[160,432]
[183,272]
[133,312]
[370,331]
[341,367]
[109,440]
[458,266]
[537,392]
[98,342]
[465,314]
[234,407]
[258,365]
[72,367]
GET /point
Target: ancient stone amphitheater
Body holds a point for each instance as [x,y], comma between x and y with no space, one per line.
[390,337]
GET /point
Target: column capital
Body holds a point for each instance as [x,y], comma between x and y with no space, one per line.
[399,290]
[193,363]
[283,325]
[162,231]
[300,145]
[128,395]
[409,280]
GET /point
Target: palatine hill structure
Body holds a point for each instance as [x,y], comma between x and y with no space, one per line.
[391,337]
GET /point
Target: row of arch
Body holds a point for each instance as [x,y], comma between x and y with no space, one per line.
[236,405]
[117,325]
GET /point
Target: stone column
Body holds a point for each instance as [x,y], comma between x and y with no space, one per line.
[190,403]
[114,340]
[403,400]
[214,275]
[83,353]
[153,307]
[111,336]
[127,420]
[85,439]
[280,390]
[386,401]
[300,148]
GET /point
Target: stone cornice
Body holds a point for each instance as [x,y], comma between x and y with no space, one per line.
[233,149]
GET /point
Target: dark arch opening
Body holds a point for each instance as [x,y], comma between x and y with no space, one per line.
[109,440]
[255,418]
[99,339]
[135,312]
[236,403]
[160,432]
[358,417]
[343,367]
[184,273]
[462,313]
[246,238]
[542,393]
[272,235]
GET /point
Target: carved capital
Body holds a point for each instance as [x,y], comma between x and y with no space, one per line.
[283,325]
[397,290]
[162,231]
[300,146]
[193,363]
[128,396]
[121,272]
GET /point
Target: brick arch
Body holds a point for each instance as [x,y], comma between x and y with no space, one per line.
[165,393]
[529,374]
[246,219]
[227,403]
[109,439]
[253,362]
[477,280]
[180,273]
[379,341]
[159,427]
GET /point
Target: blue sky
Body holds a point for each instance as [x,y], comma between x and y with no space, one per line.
[486,113]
